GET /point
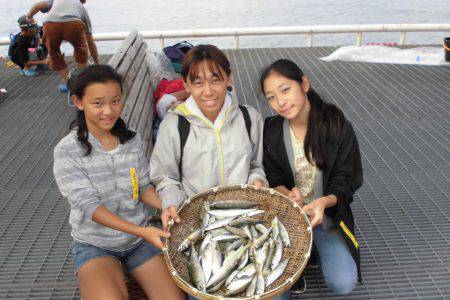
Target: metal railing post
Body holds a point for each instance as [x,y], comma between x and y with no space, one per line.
[309,39]
[236,41]
[161,42]
[402,38]
[358,38]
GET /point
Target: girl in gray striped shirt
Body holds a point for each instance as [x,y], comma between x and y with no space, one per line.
[101,168]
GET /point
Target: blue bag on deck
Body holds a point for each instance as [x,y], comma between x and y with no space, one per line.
[176,53]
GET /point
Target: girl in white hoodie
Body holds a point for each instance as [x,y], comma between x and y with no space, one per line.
[221,147]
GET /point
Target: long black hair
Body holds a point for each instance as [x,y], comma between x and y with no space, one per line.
[325,120]
[90,75]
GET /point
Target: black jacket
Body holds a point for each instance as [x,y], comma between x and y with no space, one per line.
[342,176]
[23,43]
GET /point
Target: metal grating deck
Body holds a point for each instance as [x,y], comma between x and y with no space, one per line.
[401,116]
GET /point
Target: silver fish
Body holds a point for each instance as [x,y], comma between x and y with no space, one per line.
[231,277]
[261,228]
[195,271]
[192,238]
[227,213]
[225,237]
[247,231]
[216,288]
[248,270]
[251,288]
[254,213]
[211,220]
[254,258]
[205,242]
[260,241]
[216,257]
[236,231]
[260,283]
[275,273]
[238,286]
[206,216]
[228,266]
[278,253]
[262,255]
[219,231]
[275,228]
[244,261]
[219,224]
[229,204]
[269,259]
[284,234]
[254,232]
[207,261]
[241,221]
[236,244]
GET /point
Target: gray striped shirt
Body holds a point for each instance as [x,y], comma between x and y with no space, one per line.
[102,179]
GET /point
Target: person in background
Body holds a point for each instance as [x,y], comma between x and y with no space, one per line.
[66,20]
[28,52]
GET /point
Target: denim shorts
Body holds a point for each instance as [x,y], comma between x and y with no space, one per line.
[130,259]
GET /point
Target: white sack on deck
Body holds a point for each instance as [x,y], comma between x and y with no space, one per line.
[393,55]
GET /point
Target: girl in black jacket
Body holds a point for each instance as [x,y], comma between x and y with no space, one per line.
[311,155]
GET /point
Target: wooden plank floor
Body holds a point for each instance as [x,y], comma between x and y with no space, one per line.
[400,114]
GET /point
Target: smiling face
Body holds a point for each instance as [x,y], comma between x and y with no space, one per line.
[287,97]
[208,88]
[102,106]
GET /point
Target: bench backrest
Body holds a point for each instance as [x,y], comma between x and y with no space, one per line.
[131,61]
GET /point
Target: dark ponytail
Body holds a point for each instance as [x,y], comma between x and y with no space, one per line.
[325,120]
[82,133]
[96,74]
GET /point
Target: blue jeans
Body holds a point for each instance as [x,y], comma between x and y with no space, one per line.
[337,264]
[130,259]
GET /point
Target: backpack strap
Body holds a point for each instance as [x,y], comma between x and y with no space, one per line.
[248,121]
[184,127]
[183,130]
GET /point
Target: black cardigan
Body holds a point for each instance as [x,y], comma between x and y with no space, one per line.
[342,176]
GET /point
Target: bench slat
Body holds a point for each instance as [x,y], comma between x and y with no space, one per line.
[139,61]
[147,136]
[129,60]
[143,100]
[133,93]
[119,55]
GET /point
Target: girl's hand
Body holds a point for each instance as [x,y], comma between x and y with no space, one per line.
[167,214]
[258,183]
[296,195]
[153,235]
[316,210]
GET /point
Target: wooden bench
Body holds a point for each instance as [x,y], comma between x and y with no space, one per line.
[131,61]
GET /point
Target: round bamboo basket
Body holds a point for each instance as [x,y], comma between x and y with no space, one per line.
[274,204]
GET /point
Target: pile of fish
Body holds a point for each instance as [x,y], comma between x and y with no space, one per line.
[234,251]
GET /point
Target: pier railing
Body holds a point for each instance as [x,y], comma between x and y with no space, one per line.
[309,31]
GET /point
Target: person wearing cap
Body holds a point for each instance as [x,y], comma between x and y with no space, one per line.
[67,20]
[28,42]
